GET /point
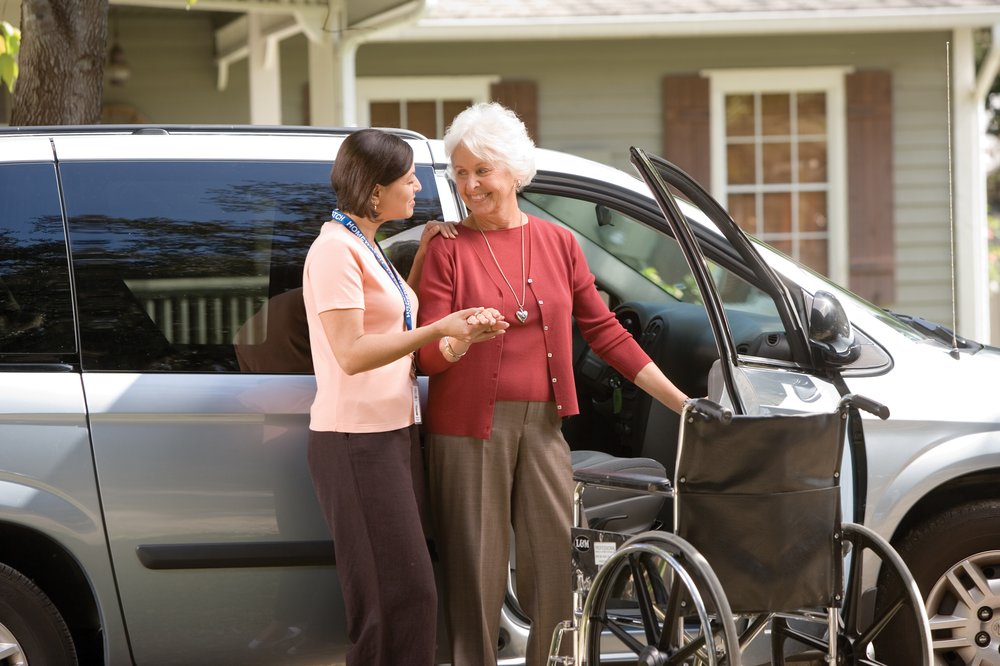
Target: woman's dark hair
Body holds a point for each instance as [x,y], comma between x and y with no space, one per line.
[367,158]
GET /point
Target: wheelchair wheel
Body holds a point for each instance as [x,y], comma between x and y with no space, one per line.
[655,602]
[867,614]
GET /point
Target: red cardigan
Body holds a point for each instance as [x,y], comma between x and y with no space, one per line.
[459,273]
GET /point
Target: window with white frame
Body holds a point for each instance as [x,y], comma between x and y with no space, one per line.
[425,104]
[778,153]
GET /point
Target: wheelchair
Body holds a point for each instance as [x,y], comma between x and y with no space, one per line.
[756,562]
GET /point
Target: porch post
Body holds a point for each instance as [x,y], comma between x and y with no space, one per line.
[323,84]
[969,185]
[265,73]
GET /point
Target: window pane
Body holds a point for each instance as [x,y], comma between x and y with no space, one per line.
[35,306]
[781,245]
[777,214]
[812,113]
[739,115]
[775,114]
[186,266]
[812,162]
[654,266]
[812,212]
[740,164]
[422,117]
[384,114]
[451,108]
[743,209]
[777,162]
[812,253]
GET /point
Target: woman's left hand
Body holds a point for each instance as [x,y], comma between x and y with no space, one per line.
[431,229]
[435,227]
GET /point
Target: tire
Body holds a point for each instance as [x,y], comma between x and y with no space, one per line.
[32,632]
[863,635]
[947,555]
[661,600]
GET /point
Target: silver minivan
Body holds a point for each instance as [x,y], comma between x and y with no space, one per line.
[155,382]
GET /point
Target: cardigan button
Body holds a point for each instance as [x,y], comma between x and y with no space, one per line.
[530,280]
[558,406]
[549,354]
[554,380]
[541,302]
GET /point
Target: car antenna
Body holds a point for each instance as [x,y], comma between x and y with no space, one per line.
[951,207]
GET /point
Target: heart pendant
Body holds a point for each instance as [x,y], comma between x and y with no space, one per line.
[522,315]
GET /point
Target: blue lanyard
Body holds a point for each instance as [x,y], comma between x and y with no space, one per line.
[383,262]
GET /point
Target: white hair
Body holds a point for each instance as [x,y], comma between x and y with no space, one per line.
[494,133]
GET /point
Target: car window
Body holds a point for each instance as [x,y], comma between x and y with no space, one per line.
[652,255]
[197,266]
[36,315]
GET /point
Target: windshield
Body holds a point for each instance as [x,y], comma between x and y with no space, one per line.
[853,304]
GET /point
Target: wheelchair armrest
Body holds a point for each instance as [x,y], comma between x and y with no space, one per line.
[641,482]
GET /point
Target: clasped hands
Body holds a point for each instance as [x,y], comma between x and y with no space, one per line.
[473,325]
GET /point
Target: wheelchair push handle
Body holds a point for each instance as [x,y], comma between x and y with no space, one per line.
[709,410]
[862,402]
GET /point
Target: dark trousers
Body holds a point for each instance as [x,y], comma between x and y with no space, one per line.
[368,485]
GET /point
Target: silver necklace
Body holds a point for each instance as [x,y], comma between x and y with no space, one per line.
[522,314]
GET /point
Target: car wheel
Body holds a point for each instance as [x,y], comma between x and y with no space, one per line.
[956,562]
[31,629]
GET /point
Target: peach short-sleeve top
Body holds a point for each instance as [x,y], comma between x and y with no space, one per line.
[341,272]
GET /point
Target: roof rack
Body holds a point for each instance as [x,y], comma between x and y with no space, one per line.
[199,129]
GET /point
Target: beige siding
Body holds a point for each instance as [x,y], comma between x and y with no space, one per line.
[171,55]
[172,59]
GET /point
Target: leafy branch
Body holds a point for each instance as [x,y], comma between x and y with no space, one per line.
[10,45]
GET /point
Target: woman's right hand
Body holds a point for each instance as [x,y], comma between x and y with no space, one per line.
[473,325]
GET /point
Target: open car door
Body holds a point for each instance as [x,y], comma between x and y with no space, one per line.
[748,378]
[788,364]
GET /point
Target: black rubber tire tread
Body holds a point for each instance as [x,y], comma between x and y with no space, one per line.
[935,546]
[951,536]
[35,621]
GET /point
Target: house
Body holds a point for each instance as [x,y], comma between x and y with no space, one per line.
[846,132]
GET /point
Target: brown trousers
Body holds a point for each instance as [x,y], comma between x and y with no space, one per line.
[370,487]
[522,478]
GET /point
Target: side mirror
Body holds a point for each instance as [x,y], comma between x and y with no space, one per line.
[830,332]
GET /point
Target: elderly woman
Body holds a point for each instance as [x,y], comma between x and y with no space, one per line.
[363,447]
[495,451]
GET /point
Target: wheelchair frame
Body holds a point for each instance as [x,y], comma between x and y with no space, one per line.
[757,545]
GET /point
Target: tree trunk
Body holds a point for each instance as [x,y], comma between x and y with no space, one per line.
[63,45]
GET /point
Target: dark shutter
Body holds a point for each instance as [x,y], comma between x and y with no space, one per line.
[871,216]
[522,98]
[686,139]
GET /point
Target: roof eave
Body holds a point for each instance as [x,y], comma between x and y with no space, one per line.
[687,25]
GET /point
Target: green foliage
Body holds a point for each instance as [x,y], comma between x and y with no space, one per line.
[983,40]
[993,247]
[10,45]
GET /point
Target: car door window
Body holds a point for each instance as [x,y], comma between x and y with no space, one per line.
[197,266]
[629,257]
[35,305]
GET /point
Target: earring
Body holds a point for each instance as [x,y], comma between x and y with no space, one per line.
[517,185]
[374,202]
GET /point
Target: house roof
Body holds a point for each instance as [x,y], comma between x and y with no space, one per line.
[531,19]
[500,9]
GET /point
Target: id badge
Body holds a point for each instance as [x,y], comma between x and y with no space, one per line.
[416,404]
